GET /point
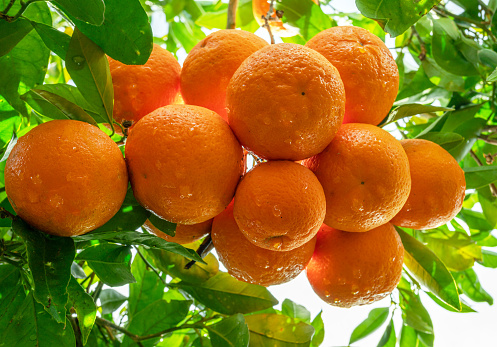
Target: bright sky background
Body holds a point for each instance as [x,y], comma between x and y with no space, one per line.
[451,329]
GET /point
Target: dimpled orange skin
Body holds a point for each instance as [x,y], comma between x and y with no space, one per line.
[140,89]
[279,205]
[66,177]
[365,176]
[285,102]
[367,69]
[351,269]
[184,163]
[210,65]
[184,233]
[252,264]
[261,7]
[438,186]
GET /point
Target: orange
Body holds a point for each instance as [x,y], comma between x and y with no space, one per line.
[66,177]
[184,163]
[438,186]
[209,66]
[252,264]
[285,101]
[367,69]
[279,205]
[184,233]
[350,269]
[140,89]
[365,176]
[261,8]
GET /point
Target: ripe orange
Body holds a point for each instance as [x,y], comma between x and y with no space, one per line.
[438,186]
[184,233]
[66,177]
[184,163]
[209,66]
[140,89]
[252,264]
[367,69]
[349,269]
[285,102]
[261,8]
[279,205]
[365,176]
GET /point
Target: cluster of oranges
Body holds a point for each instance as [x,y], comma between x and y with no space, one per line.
[328,187]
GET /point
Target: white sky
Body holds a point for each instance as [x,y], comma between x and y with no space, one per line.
[451,329]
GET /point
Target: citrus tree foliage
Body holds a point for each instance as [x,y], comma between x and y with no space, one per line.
[58,291]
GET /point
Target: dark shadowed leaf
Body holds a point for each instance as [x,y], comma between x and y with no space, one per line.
[111,300]
[163,225]
[89,69]
[470,285]
[376,318]
[55,40]
[226,295]
[156,317]
[480,176]
[33,326]
[388,339]
[50,259]
[429,270]
[230,332]
[293,310]
[278,331]
[125,34]
[91,11]
[84,306]
[395,16]
[11,293]
[110,262]
[12,33]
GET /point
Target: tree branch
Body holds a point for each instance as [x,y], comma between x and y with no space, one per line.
[493,188]
[267,18]
[6,214]
[202,250]
[233,4]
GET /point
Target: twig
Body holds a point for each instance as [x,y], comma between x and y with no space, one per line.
[8,7]
[150,266]
[488,140]
[19,13]
[92,277]
[267,18]
[480,24]
[105,322]
[202,250]
[491,129]
[233,4]
[422,55]
[493,189]
[98,290]
[77,331]
[6,214]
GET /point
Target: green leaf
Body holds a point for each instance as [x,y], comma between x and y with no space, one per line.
[293,310]
[224,294]
[50,259]
[408,110]
[480,176]
[111,300]
[163,225]
[376,318]
[489,259]
[218,19]
[318,325]
[156,317]
[388,339]
[91,11]
[470,285]
[125,34]
[445,140]
[77,271]
[55,40]
[110,262]
[147,289]
[414,313]
[488,204]
[278,331]
[493,76]
[89,69]
[446,36]
[185,33]
[11,293]
[84,306]
[130,216]
[21,71]
[408,337]
[395,16]
[55,107]
[12,33]
[465,308]
[305,15]
[475,220]
[230,332]
[33,326]
[135,237]
[429,270]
